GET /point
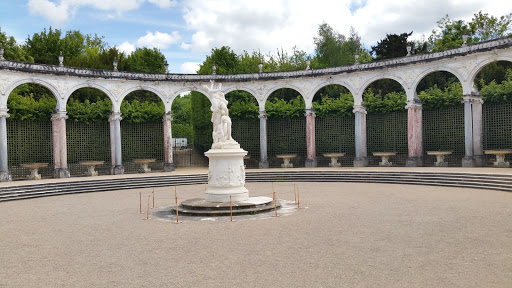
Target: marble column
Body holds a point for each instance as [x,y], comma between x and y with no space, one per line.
[478,149]
[414,133]
[5,175]
[169,163]
[60,151]
[361,159]
[472,130]
[310,138]
[263,140]
[115,143]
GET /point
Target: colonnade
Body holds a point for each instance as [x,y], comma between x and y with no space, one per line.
[472,134]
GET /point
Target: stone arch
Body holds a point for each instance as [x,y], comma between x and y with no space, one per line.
[157,92]
[478,67]
[91,84]
[281,86]
[427,72]
[334,82]
[38,81]
[382,77]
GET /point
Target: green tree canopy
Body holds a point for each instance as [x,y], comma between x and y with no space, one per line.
[392,46]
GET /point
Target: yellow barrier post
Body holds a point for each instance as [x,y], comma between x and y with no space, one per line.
[140,202]
[230,208]
[153,198]
[147,215]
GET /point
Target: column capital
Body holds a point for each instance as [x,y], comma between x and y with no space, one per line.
[167,116]
[310,112]
[3,112]
[114,116]
[359,109]
[414,104]
[262,115]
[59,115]
[472,98]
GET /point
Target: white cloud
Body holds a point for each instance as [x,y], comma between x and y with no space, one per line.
[271,24]
[62,12]
[127,48]
[164,3]
[189,67]
[49,10]
[158,40]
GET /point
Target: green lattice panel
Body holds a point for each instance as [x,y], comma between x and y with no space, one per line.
[88,142]
[142,141]
[497,129]
[286,136]
[247,133]
[335,135]
[443,130]
[29,142]
[387,133]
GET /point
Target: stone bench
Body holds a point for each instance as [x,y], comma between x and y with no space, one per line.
[334,158]
[440,157]
[144,164]
[500,157]
[385,158]
[34,175]
[90,167]
[286,159]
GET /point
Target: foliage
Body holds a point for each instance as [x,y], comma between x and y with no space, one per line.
[329,106]
[146,60]
[437,98]
[201,121]
[498,93]
[335,49]
[88,111]
[30,107]
[242,105]
[392,46]
[378,103]
[481,27]
[141,112]
[280,108]
[12,51]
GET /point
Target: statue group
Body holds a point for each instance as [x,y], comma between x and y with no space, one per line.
[220,119]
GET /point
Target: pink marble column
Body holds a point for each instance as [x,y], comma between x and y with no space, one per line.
[169,164]
[310,138]
[478,151]
[414,133]
[60,155]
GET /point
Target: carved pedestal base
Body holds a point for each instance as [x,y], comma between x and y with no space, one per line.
[414,162]
[5,177]
[117,170]
[468,161]
[169,167]
[310,162]
[264,164]
[360,162]
[226,175]
[61,173]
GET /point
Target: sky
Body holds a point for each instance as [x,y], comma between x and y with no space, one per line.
[186,31]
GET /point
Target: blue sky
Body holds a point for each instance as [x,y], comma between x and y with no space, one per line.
[186,30]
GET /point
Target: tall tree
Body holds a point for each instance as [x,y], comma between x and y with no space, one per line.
[335,49]
[392,46]
[146,60]
[13,51]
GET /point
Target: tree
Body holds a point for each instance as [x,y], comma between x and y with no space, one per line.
[335,49]
[392,46]
[13,51]
[481,27]
[146,60]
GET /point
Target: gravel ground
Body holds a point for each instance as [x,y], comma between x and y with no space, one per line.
[348,235]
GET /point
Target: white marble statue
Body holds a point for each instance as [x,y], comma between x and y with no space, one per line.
[220,118]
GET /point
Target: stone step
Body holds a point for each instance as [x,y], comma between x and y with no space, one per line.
[502,182]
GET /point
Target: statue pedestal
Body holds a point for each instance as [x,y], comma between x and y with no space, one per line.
[226,175]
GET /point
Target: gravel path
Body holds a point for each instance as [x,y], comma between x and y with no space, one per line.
[350,235]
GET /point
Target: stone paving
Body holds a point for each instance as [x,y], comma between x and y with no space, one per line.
[347,235]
